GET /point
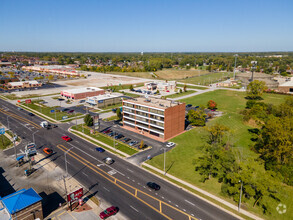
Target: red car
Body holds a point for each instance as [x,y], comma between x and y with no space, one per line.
[66,138]
[109,212]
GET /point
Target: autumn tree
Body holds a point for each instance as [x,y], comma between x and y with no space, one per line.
[212,104]
[197,118]
[255,89]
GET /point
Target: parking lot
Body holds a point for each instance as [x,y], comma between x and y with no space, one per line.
[113,129]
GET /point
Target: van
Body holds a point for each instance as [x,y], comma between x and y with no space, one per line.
[44,124]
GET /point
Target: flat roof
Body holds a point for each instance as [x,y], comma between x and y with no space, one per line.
[154,102]
[22,82]
[82,90]
[104,97]
[289,83]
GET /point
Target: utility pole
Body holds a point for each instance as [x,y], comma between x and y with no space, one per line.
[236,55]
[65,153]
[164,161]
[240,195]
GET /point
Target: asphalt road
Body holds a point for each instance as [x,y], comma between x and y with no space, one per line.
[121,184]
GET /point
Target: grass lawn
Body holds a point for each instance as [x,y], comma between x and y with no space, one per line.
[109,107]
[180,94]
[207,78]
[112,118]
[4,142]
[189,146]
[107,140]
[47,110]
[192,87]
[122,86]
[131,95]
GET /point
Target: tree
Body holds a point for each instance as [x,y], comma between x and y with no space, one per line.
[131,87]
[185,88]
[212,104]
[197,118]
[118,112]
[255,89]
[250,104]
[88,120]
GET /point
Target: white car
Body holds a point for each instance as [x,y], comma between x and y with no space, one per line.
[170,144]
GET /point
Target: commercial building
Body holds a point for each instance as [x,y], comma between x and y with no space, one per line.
[82,93]
[101,101]
[163,86]
[23,84]
[286,87]
[156,118]
[64,70]
[24,204]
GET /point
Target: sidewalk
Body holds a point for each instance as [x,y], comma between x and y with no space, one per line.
[205,193]
[91,209]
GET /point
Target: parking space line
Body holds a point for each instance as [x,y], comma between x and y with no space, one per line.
[72,216]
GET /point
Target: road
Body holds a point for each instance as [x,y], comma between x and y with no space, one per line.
[121,184]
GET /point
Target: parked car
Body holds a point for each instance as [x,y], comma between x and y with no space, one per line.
[126,140]
[153,185]
[188,105]
[99,149]
[82,101]
[48,151]
[132,90]
[109,212]
[70,111]
[31,114]
[107,131]
[170,144]
[132,143]
[65,110]
[138,90]
[119,136]
[66,138]
[54,126]
[108,160]
[19,108]
[196,107]
[111,134]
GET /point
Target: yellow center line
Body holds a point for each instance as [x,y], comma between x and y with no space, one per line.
[20,118]
[63,148]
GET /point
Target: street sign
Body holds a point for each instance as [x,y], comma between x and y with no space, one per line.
[75,195]
[64,117]
[52,111]
[2,130]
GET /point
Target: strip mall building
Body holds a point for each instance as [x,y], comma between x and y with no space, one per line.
[82,93]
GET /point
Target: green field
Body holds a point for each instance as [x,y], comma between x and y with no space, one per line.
[14,97]
[192,87]
[207,78]
[179,161]
[176,95]
[4,142]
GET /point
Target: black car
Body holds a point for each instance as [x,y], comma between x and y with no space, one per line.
[153,185]
[54,126]
[188,106]
[126,140]
[119,136]
[31,114]
[65,110]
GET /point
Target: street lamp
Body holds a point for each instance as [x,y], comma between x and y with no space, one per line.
[240,195]
[8,122]
[236,55]
[164,161]
[34,136]
[65,153]
[253,69]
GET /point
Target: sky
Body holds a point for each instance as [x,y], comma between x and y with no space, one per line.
[146,25]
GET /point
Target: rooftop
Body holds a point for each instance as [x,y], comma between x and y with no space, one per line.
[82,90]
[20,200]
[154,102]
[22,82]
[104,96]
[289,83]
